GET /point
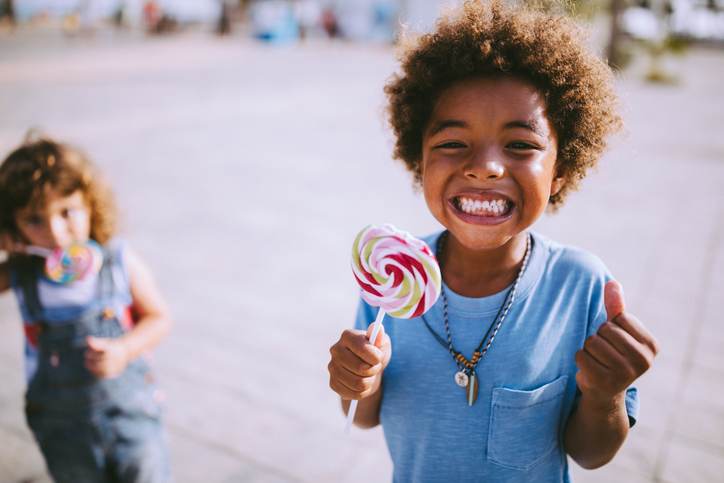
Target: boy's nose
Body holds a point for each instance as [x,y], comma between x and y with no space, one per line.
[486,165]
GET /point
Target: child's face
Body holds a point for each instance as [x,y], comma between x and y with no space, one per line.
[60,221]
[489,156]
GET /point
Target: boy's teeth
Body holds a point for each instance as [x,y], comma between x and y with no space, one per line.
[485,208]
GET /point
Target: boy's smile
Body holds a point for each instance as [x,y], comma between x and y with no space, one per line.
[482,207]
[489,154]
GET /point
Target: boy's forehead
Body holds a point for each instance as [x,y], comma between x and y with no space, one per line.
[499,97]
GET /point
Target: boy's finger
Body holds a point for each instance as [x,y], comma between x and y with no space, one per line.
[356,342]
[350,380]
[638,331]
[589,365]
[344,391]
[613,299]
[354,364]
[602,351]
[624,342]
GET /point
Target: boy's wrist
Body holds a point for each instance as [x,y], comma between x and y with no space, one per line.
[603,403]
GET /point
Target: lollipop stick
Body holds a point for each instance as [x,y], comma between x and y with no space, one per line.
[353,404]
[39,251]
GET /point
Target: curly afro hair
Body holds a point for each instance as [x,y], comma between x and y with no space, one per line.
[492,39]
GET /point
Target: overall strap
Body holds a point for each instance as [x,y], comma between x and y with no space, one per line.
[26,271]
[106,280]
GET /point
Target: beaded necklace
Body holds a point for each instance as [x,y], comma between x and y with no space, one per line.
[466,377]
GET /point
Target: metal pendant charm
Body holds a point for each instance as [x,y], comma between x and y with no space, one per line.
[461,379]
[472,389]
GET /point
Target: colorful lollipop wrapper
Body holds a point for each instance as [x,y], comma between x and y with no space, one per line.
[73,262]
[397,273]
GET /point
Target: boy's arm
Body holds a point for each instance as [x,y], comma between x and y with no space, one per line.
[109,357]
[611,360]
[596,430]
[368,409]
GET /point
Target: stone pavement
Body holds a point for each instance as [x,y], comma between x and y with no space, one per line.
[244,171]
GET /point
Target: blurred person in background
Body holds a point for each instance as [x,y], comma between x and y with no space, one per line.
[91,400]
[529,355]
[223,24]
[7,11]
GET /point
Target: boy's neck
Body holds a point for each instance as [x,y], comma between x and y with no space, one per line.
[474,273]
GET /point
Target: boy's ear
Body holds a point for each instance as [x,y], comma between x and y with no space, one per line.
[557,184]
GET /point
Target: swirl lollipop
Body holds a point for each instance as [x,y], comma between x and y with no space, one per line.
[397,273]
[71,263]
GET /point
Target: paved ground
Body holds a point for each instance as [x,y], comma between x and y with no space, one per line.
[244,172]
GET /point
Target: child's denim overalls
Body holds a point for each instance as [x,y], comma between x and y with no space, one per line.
[90,430]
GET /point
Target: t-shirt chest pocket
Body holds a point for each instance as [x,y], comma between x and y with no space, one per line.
[524,425]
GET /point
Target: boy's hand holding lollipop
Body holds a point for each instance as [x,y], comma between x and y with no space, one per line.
[356,366]
[397,273]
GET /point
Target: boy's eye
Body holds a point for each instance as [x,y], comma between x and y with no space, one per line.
[450,145]
[522,146]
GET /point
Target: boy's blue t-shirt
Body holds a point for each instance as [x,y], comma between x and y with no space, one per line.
[527,386]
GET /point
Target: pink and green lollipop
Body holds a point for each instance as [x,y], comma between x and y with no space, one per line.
[397,273]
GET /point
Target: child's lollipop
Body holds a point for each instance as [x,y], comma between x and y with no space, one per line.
[397,273]
[70,263]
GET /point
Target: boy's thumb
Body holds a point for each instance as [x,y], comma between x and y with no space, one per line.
[380,335]
[613,299]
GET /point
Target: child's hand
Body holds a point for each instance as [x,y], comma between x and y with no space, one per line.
[355,370]
[106,357]
[9,244]
[621,351]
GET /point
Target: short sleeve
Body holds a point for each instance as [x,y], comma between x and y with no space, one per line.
[366,314]
[632,405]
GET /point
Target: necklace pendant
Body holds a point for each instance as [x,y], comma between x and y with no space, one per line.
[461,379]
[472,388]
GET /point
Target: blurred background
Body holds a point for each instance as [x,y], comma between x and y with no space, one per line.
[247,144]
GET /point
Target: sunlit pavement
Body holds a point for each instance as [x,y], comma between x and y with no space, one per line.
[244,171]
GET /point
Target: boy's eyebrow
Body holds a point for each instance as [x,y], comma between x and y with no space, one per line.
[444,124]
[531,125]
